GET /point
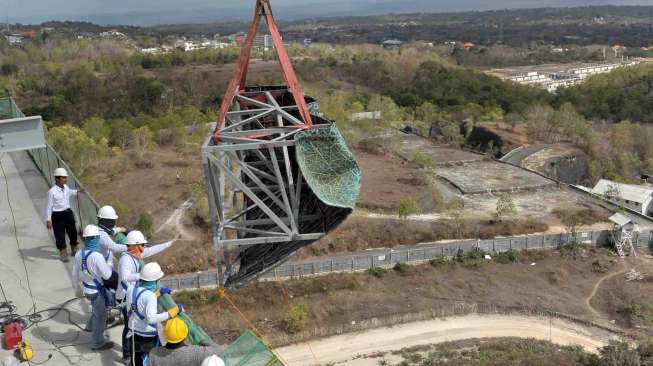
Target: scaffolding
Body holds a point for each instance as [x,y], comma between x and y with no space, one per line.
[279,176]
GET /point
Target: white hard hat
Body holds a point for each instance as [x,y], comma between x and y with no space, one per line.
[213,361]
[91,231]
[107,212]
[135,238]
[60,172]
[151,272]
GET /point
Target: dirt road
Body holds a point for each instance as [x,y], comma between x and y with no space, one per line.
[352,349]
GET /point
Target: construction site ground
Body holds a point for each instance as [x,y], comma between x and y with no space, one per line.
[369,348]
[569,283]
[164,191]
[31,269]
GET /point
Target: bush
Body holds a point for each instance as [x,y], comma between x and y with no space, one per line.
[377,272]
[510,256]
[407,207]
[618,353]
[145,224]
[8,69]
[571,250]
[401,268]
[440,261]
[296,318]
[121,208]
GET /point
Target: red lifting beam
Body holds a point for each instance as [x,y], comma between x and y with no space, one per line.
[237,83]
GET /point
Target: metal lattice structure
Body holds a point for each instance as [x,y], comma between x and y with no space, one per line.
[276,171]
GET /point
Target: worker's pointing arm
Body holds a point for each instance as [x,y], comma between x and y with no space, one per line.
[156,249]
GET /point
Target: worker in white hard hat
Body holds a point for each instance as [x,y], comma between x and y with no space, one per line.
[91,271]
[58,215]
[144,318]
[129,268]
[213,360]
[177,352]
[107,218]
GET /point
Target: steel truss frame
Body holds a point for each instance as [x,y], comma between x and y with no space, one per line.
[252,169]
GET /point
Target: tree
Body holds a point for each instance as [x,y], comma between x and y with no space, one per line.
[142,141]
[121,133]
[618,353]
[407,207]
[96,128]
[505,206]
[76,148]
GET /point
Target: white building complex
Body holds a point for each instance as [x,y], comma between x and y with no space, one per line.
[552,80]
[635,197]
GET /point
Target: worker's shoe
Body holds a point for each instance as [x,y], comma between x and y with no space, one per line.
[63,255]
[73,250]
[106,346]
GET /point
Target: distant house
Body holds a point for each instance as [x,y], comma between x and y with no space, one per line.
[468,46]
[374,115]
[14,39]
[113,33]
[392,44]
[636,197]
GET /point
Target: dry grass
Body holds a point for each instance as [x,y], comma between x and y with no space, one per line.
[555,282]
[360,233]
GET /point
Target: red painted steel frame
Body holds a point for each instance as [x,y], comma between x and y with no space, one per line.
[237,83]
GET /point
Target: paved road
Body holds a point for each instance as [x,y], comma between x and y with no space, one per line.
[41,271]
[348,348]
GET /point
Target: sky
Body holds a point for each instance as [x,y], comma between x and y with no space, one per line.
[149,12]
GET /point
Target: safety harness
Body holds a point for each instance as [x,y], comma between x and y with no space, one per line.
[137,265]
[133,309]
[96,285]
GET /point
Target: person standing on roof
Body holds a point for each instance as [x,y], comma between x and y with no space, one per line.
[92,271]
[144,318]
[129,266]
[58,215]
[177,352]
[107,218]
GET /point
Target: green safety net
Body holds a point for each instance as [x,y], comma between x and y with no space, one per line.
[195,333]
[328,166]
[249,350]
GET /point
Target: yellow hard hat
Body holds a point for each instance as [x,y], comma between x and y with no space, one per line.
[175,330]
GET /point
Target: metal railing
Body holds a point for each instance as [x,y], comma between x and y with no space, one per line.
[47,160]
[416,254]
[83,205]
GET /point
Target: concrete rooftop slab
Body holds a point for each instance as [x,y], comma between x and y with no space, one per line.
[39,271]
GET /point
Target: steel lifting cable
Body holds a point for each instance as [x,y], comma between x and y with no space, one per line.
[223,294]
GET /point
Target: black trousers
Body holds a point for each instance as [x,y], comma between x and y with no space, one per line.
[142,346]
[64,222]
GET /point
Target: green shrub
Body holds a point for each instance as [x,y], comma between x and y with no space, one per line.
[510,256]
[571,250]
[407,207]
[296,318]
[421,160]
[440,261]
[145,224]
[121,208]
[377,272]
[401,267]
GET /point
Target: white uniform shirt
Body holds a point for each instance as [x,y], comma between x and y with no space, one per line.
[147,307]
[108,246]
[58,200]
[97,270]
[128,267]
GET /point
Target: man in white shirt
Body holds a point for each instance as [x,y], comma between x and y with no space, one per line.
[58,215]
[90,270]
[142,309]
[129,268]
